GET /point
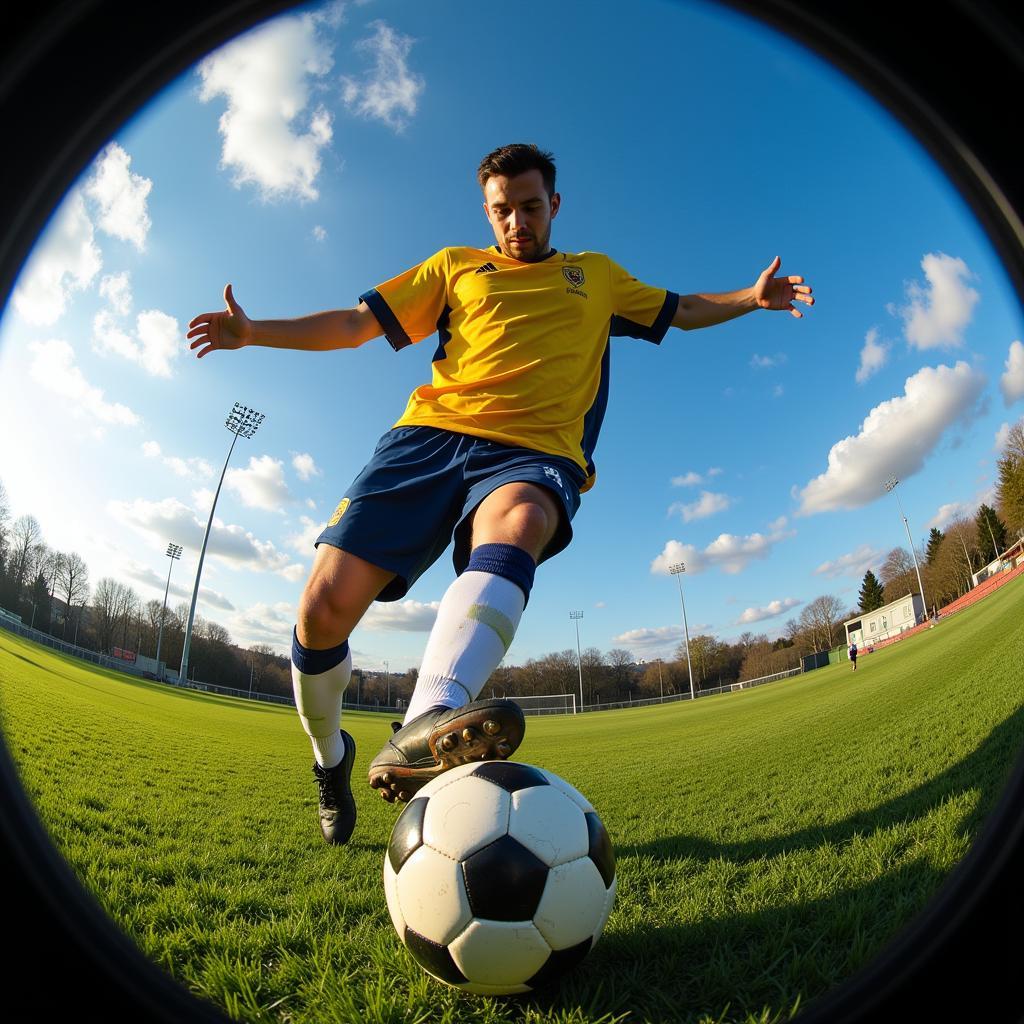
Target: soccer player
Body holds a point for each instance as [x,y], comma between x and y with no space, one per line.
[494,451]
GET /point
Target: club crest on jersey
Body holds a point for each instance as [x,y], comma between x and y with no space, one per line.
[339,512]
[574,275]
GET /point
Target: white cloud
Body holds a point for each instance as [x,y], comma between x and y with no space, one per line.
[948,512]
[269,139]
[727,552]
[895,438]
[401,616]
[157,342]
[599,604]
[650,641]
[777,391]
[1011,383]
[873,356]
[117,290]
[767,362]
[193,467]
[64,261]
[937,314]
[304,465]
[234,545]
[706,505]
[715,471]
[144,574]
[769,611]
[261,485]
[389,92]
[263,623]
[690,479]
[54,369]
[320,233]
[853,563]
[303,541]
[121,196]
[1002,436]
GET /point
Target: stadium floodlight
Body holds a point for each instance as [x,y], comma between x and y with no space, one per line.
[890,485]
[387,682]
[576,616]
[173,553]
[242,422]
[677,570]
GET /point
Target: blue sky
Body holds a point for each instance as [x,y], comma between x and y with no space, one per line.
[336,146]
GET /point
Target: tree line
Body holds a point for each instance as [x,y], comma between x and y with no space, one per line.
[52,591]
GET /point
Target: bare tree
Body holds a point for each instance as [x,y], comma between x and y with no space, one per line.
[821,619]
[260,656]
[5,518]
[72,584]
[25,536]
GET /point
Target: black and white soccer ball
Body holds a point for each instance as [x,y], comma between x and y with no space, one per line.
[499,877]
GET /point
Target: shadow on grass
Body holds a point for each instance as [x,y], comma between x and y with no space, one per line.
[761,964]
[985,769]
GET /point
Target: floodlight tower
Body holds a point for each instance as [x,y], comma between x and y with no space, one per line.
[242,422]
[890,485]
[576,616]
[677,570]
[173,553]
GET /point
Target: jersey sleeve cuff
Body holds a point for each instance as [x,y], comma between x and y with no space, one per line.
[393,330]
[664,319]
[623,327]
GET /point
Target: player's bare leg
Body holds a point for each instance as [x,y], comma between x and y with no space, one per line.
[445,725]
[340,588]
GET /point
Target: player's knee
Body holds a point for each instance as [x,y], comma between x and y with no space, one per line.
[528,524]
[323,614]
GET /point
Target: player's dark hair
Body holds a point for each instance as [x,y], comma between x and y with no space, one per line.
[518,158]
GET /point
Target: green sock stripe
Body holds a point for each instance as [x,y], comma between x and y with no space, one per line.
[501,624]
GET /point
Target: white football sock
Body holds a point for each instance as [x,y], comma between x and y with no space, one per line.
[318,697]
[475,624]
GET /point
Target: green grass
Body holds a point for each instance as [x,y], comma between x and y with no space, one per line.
[769,842]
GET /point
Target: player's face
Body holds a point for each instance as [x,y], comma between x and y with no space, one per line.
[520,211]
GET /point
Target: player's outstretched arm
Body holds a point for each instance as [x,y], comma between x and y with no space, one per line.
[230,328]
[767,292]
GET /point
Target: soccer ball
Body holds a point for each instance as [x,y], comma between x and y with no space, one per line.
[499,877]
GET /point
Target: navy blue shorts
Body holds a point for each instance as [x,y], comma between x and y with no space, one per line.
[420,488]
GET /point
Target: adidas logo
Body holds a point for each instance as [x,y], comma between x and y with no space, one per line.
[487,268]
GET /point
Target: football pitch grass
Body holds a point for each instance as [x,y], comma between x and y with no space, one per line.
[769,842]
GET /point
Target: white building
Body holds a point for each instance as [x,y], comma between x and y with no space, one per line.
[871,627]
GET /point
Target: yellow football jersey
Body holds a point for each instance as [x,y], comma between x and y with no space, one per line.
[523,347]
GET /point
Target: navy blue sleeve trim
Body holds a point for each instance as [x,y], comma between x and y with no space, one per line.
[393,330]
[623,327]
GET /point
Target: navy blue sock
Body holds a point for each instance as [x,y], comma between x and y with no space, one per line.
[314,662]
[505,560]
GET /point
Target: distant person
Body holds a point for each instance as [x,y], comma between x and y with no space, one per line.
[495,451]
[853,655]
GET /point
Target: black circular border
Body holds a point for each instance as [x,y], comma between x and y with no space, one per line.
[70,74]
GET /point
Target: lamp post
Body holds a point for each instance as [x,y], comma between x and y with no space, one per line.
[173,553]
[242,422]
[890,485]
[677,570]
[387,682]
[576,616]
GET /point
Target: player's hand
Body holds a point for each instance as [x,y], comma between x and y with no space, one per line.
[229,328]
[781,292]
